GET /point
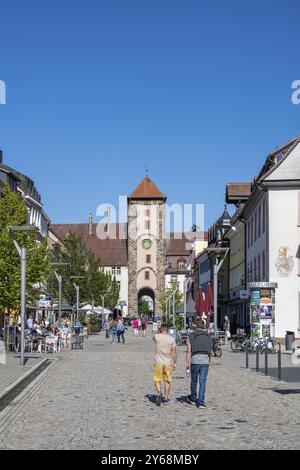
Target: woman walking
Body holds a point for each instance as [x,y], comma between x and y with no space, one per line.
[120,331]
[113,330]
[136,327]
[144,326]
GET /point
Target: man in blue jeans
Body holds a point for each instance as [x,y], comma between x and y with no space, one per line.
[197,360]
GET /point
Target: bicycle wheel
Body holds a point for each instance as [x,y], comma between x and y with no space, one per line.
[233,344]
[273,346]
[218,351]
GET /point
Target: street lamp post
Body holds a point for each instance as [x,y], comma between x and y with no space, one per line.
[22,254]
[77,295]
[59,280]
[173,298]
[185,283]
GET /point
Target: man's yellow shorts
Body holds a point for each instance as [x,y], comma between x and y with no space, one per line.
[162,373]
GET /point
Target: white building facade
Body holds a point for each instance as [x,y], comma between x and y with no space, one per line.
[273,234]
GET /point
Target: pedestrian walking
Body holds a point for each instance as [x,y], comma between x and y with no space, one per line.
[165,363]
[197,362]
[120,331]
[226,327]
[113,330]
[144,326]
[136,327]
[107,328]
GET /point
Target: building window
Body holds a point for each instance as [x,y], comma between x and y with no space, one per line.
[255,226]
[147,275]
[220,289]
[259,222]
[174,279]
[119,284]
[251,271]
[148,259]
[258,268]
[113,271]
[264,217]
[263,265]
[251,230]
[181,265]
[255,270]
[147,224]
[147,212]
[118,271]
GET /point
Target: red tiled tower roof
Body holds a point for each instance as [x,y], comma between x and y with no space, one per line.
[147,190]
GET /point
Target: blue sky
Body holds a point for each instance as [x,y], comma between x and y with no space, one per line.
[200,92]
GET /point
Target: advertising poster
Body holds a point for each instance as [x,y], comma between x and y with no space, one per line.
[262,312]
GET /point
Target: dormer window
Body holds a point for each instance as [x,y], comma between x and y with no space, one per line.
[181,265]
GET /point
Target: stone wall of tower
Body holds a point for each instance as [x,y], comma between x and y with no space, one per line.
[160,258]
[132,262]
[160,255]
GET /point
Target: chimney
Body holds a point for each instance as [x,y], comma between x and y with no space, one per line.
[1,156]
[90,224]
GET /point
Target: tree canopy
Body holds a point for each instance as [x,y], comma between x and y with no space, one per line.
[13,212]
[93,281]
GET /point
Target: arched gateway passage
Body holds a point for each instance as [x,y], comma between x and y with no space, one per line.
[146,297]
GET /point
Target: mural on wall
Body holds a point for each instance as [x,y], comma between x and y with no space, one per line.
[285,262]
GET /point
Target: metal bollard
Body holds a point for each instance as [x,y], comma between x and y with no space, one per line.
[279,363]
[257,358]
[247,357]
[266,360]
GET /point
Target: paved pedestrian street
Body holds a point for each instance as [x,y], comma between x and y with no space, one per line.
[102,398]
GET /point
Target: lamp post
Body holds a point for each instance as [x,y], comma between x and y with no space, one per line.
[185,283]
[22,254]
[59,280]
[77,294]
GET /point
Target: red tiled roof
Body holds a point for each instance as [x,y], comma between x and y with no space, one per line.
[111,251]
[147,190]
[237,191]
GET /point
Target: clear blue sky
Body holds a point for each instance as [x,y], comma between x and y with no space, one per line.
[199,91]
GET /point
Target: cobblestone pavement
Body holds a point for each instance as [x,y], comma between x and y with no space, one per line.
[100,398]
[12,371]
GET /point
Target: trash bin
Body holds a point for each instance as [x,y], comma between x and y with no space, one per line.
[289,339]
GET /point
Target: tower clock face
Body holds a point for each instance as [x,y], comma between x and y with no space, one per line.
[147,244]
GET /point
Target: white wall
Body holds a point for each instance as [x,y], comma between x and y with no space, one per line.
[123,279]
[180,280]
[284,232]
[260,244]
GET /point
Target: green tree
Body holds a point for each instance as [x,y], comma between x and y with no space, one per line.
[93,281]
[143,307]
[13,211]
[112,294]
[166,294]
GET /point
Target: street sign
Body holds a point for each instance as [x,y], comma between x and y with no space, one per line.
[244,294]
[263,285]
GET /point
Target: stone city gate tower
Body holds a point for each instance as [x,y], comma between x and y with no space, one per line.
[146,245]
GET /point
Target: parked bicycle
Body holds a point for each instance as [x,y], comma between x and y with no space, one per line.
[239,342]
[269,343]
